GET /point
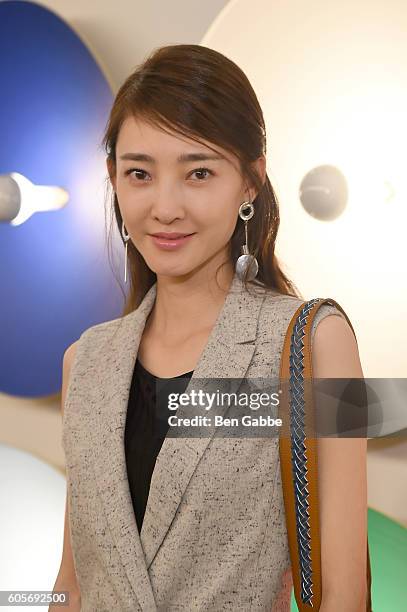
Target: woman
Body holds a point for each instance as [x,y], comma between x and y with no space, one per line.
[195,523]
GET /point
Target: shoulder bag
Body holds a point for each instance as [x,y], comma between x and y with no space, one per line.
[298,460]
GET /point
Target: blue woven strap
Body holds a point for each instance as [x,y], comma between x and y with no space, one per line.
[298,454]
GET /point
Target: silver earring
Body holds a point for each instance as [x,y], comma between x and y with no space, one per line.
[246,261]
[126,238]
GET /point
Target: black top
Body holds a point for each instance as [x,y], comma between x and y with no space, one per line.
[146,427]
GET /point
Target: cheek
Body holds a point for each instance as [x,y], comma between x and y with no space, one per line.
[226,217]
[221,210]
[131,203]
[221,222]
[128,191]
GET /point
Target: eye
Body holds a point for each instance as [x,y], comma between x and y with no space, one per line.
[201,170]
[131,170]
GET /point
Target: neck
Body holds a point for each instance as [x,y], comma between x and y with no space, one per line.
[189,304]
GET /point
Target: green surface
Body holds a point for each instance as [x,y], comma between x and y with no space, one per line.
[388,561]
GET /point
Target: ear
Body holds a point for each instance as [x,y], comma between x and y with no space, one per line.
[260,164]
[111,168]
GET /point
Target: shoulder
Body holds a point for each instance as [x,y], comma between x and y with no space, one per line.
[101,331]
[335,352]
[276,312]
[91,342]
[69,354]
[278,309]
[105,326]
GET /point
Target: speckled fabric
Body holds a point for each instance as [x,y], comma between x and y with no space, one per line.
[214,534]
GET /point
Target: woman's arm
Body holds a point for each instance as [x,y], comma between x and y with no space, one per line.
[66,579]
[342,481]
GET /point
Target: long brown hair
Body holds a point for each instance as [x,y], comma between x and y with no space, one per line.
[199,93]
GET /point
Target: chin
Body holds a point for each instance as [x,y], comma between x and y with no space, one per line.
[172,271]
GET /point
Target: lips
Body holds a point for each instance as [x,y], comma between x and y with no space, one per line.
[170,236]
[171,244]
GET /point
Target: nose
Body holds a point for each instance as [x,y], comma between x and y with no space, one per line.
[167,204]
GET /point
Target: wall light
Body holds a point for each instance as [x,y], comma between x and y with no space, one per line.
[20,198]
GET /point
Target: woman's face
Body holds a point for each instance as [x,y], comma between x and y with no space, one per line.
[195,195]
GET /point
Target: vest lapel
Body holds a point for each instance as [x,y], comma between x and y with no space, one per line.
[227,354]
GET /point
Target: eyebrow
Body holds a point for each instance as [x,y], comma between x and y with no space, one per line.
[183,158]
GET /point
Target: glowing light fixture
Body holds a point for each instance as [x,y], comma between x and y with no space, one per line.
[20,198]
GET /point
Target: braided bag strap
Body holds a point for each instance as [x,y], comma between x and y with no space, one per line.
[298,459]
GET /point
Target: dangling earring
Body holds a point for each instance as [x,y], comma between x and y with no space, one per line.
[126,238]
[246,261]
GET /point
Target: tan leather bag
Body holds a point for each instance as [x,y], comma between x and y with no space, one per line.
[298,459]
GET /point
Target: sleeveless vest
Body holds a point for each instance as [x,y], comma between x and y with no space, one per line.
[214,534]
